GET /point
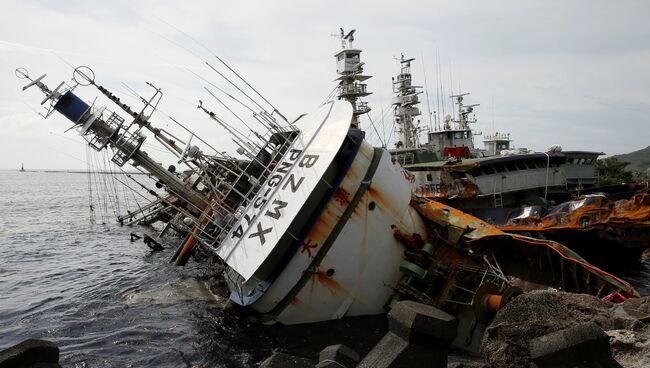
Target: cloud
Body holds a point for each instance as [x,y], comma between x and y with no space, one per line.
[553,72]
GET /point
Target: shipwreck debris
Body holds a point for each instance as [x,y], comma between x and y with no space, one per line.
[471,269]
[609,233]
[419,336]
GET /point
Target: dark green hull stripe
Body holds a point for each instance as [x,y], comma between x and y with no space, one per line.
[331,238]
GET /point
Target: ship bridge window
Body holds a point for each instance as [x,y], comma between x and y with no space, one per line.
[340,57]
[352,55]
[458,135]
[429,177]
[521,166]
[500,168]
[488,170]
[511,167]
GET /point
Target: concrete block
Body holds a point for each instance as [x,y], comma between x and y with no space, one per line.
[585,345]
[29,353]
[282,360]
[419,336]
[337,356]
[420,323]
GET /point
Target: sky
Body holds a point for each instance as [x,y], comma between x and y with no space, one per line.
[573,73]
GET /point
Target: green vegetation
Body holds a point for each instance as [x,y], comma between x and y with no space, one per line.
[638,160]
[612,171]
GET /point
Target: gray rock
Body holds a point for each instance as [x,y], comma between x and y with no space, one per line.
[419,336]
[416,322]
[282,360]
[585,345]
[29,353]
[337,356]
[631,348]
[539,313]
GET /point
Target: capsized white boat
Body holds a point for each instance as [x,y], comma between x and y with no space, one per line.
[306,226]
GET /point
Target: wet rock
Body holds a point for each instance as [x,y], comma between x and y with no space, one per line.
[460,359]
[282,360]
[467,365]
[539,313]
[31,353]
[337,356]
[585,345]
[419,323]
[631,348]
[638,308]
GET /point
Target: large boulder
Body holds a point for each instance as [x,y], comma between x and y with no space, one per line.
[584,346]
[538,313]
[30,353]
[631,348]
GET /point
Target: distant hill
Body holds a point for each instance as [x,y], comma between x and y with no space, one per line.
[639,160]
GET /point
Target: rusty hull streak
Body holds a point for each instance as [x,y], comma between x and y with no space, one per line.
[461,188]
[384,202]
[341,196]
[330,284]
[411,241]
[444,215]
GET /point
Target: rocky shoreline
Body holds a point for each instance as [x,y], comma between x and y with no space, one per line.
[536,329]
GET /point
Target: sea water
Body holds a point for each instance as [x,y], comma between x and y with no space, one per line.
[110,302]
[106,301]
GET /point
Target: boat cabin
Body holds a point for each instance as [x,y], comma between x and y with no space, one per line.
[495,143]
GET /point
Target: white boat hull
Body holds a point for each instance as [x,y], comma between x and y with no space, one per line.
[357,273]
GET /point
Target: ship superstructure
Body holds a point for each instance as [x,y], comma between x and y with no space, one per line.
[455,139]
[350,69]
[406,107]
[448,166]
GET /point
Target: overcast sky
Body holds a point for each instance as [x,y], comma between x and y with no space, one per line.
[574,73]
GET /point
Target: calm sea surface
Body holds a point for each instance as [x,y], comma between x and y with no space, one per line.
[108,302]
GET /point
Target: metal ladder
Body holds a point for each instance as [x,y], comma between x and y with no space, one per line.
[498,197]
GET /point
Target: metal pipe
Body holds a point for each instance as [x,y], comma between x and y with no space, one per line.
[548,163]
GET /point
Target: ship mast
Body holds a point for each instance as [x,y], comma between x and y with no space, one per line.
[405,102]
[219,185]
[350,69]
[464,112]
[103,128]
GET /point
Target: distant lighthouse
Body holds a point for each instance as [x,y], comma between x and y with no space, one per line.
[22,167]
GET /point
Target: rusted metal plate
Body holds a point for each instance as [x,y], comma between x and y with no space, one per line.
[585,213]
[526,262]
[623,222]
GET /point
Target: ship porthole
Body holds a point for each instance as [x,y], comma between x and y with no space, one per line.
[329,273]
[371,205]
